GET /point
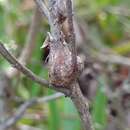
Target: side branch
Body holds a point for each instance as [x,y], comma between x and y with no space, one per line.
[13,61]
[42,7]
[70,22]
[27,72]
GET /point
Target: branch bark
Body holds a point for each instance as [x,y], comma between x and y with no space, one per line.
[81,103]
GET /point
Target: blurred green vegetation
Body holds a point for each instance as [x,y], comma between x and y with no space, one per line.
[107,27]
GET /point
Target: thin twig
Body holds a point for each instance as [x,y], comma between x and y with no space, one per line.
[21,110]
[52,15]
[42,7]
[70,22]
[27,72]
[55,26]
[71,32]
[12,60]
